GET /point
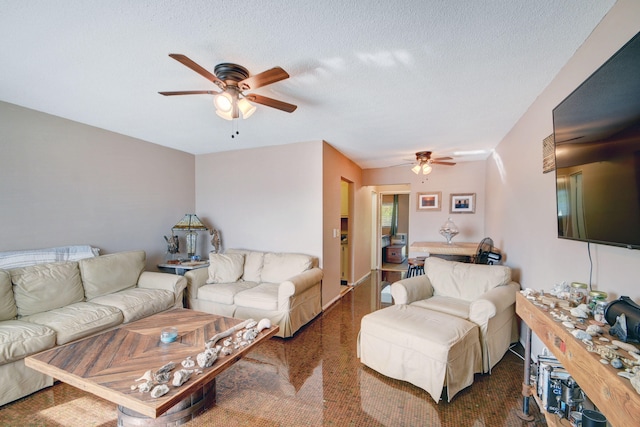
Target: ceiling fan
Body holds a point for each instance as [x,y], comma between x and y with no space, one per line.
[233,80]
[424,162]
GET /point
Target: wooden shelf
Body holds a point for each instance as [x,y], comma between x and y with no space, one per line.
[614,396]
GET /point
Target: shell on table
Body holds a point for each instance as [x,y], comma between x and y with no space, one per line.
[263,324]
[180,377]
[207,357]
[188,363]
[160,390]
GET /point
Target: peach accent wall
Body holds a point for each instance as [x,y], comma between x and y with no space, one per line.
[521,207]
[336,167]
[65,183]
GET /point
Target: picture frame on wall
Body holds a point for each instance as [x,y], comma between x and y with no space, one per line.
[463,203]
[429,201]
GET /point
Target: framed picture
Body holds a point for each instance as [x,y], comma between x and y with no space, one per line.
[429,201]
[463,203]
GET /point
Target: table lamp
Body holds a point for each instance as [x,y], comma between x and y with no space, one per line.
[190,223]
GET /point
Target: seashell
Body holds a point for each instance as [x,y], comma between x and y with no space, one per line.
[145,386]
[180,377]
[604,361]
[207,357]
[244,343]
[604,339]
[162,377]
[569,325]
[133,387]
[227,342]
[160,390]
[263,324]
[594,330]
[250,334]
[580,334]
[226,351]
[188,363]
[626,346]
[627,375]
[166,368]
[251,324]
[578,312]
[239,334]
[147,376]
[616,363]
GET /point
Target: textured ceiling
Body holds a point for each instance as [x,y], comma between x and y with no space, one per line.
[378,80]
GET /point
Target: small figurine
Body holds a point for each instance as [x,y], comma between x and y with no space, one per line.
[216,241]
[173,245]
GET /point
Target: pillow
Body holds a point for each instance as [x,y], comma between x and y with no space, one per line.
[252,264]
[279,267]
[462,280]
[45,287]
[225,268]
[111,273]
[8,308]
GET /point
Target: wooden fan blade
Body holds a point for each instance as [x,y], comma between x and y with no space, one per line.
[443,158]
[442,163]
[198,69]
[270,102]
[189,92]
[265,78]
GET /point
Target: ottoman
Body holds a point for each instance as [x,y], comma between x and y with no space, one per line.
[427,348]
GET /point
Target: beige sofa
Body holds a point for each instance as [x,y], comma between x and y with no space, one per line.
[283,287]
[53,303]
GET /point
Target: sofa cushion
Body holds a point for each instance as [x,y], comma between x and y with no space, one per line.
[19,339]
[263,297]
[111,273]
[463,280]
[44,287]
[453,306]
[77,320]
[225,268]
[253,261]
[137,303]
[8,309]
[279,267]
[223,293]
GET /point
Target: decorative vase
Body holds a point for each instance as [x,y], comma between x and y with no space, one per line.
[449,230]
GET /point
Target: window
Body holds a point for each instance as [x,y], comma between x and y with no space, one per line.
[386,213]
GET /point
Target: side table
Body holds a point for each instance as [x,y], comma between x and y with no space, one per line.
[183,267]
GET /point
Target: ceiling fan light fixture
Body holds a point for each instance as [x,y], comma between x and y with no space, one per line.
[416,169]
[223,102]
[225,115]
[426,169]
[246,107]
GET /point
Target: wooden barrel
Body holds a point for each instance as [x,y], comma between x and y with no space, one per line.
[181,413]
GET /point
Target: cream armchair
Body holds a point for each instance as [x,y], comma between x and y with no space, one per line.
[481,294]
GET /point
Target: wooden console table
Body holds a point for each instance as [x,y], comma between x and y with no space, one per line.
[614,396]
[463,251]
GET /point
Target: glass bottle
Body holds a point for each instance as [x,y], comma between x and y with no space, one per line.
[594,297]
[578,293]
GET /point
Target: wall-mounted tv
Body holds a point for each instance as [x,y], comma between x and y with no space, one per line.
[597,154]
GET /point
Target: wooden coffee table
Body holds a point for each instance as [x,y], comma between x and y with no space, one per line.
[108,364]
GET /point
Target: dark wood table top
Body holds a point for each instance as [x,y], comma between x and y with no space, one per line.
[108,364]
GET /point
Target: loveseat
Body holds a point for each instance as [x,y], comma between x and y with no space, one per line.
[54,303]
[283,287]
[455,320]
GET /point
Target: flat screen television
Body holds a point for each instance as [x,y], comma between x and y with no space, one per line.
[596,133]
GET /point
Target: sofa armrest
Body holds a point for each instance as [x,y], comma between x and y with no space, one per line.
[493,302]
[413,289]
[168,282]
[298,284]
[195,279]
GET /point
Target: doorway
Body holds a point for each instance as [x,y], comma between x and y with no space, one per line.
[392,232]
[346,230]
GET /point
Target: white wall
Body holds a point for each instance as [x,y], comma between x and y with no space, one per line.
[267,199]
[465,177]
[65,183]
[521,199]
